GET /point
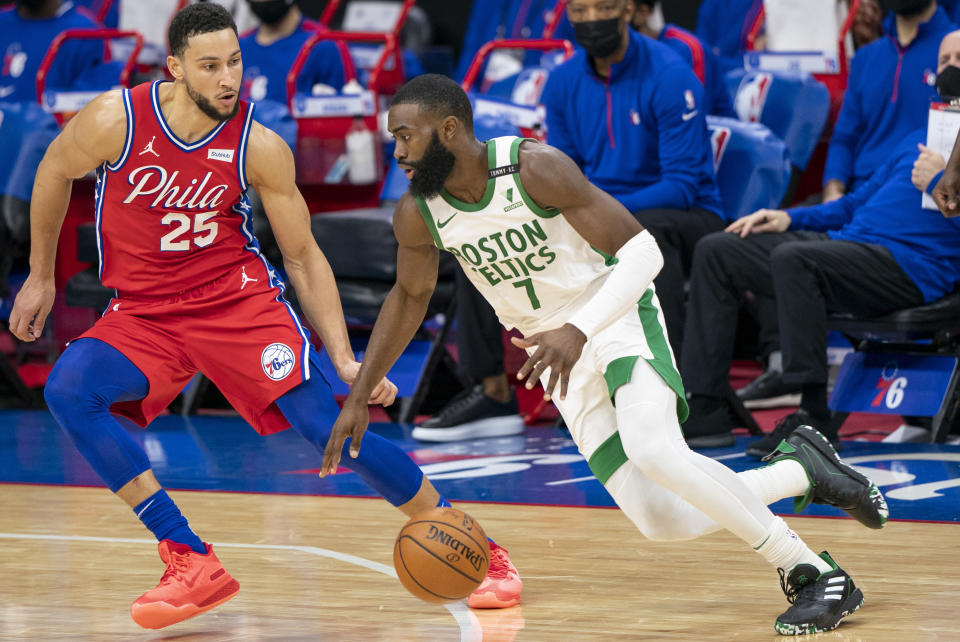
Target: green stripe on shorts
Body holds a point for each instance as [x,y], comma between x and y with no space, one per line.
[606,459]
[620,370]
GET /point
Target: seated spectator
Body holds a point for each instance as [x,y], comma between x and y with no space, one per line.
[270,51]
[651,152]
[874,251]
[724,24]
[26,31]
[506,19]
[700,58]
[888,94]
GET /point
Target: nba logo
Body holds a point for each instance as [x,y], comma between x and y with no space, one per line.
[688,98]
[634,117]
[752,96]
[277,361]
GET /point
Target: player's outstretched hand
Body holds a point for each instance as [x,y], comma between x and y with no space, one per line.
[556,349]
[760,222]
[385,392]
[31,307]
[351,422]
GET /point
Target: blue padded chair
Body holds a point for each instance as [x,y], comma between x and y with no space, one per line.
[751,163]
[793,105]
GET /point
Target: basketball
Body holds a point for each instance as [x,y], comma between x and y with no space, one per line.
[441,555]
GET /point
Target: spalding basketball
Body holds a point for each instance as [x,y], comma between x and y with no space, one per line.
[441,555]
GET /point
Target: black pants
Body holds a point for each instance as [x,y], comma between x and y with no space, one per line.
[479,333]
[807,274]
[677,233]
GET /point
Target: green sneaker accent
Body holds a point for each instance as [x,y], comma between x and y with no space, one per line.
[785,448]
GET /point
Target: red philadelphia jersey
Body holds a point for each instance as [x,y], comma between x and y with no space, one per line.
[171,215]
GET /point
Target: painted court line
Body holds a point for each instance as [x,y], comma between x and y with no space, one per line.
[469,627]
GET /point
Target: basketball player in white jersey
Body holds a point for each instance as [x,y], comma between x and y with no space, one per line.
[523,222]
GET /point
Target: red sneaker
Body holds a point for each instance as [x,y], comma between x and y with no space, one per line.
[501,587]
[193,583]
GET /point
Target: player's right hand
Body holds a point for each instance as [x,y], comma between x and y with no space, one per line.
[31,307]
[351,422]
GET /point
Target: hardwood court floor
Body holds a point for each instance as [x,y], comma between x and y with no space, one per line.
[312,568]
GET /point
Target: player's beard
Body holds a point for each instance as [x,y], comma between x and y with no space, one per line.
[208,107]
[432,170]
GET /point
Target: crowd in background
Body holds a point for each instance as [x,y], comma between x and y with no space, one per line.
[631,108]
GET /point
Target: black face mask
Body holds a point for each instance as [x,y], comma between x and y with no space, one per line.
[33,7]
[270,12]
[948,83]
[905,8]
[599,38]
[432,170]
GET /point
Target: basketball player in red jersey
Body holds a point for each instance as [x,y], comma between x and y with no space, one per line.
[174,161]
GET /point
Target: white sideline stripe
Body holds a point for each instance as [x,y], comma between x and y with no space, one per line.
[569,481]
[469,631]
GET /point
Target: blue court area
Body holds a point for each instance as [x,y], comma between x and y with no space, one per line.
[542,466]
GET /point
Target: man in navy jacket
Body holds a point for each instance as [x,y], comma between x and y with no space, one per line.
[631,113]
[874,251]
[888,94]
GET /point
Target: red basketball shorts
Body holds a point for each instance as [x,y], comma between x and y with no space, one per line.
[236,330]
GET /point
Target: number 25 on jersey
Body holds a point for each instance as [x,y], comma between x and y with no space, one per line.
[179,237]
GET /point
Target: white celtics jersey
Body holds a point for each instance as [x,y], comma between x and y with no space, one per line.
[528,262]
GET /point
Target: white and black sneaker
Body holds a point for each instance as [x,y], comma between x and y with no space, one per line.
[818,600]
[832,481]
[472,415]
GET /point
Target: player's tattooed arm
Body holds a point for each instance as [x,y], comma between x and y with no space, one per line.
[399,318]
[94,136]
[553,180]
[271,171]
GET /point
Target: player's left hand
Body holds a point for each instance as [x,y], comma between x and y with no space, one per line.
[556,349]
[351,422]
[385,391]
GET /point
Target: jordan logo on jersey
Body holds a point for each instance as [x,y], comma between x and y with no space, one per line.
[246,279]
[149,149]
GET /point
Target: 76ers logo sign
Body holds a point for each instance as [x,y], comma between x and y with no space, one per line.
[277,361]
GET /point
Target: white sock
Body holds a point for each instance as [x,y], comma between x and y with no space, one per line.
[784,549]
[786,478]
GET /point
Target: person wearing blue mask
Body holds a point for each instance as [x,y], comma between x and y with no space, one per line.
[26,31]
[869,253]
[701,58]
[270,51]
